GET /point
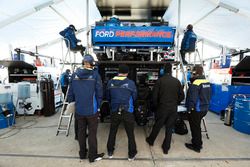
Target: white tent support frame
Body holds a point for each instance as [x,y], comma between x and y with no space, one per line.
[59,14]
[29,12]
[218,5]
[55,41]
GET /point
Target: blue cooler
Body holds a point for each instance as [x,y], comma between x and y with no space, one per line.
[6,103]
[220,98]
[242,114]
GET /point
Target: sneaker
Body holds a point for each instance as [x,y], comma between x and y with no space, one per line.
[97,158]
[110,155]
[191,147]
[131,158]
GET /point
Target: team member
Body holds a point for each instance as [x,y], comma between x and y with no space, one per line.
[188,42]
[64,80]
[121,93]
[71,40]
[167,94]
[197,103]
[86,91]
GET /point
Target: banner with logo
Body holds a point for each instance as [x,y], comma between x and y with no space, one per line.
[133,36]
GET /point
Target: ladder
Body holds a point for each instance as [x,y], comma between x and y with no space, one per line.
[63,116]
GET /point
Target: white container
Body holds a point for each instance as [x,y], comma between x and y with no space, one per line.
[23,90]
[5,98]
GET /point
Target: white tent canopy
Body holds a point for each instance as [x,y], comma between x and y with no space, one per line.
[26,24]
[224,22]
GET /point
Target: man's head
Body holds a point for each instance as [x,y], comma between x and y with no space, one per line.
[114,17]
[68,71]
[88,60]
[123,69]
[197,70]
[190,27]
[72,27]
[168,68]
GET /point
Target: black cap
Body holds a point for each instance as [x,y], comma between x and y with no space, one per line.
[73,27]
[123,69]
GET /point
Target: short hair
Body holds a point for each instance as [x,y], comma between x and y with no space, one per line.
[168,68]
[190,27]
[198,70]
[123,69]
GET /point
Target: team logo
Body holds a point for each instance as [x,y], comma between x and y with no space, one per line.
[104,33]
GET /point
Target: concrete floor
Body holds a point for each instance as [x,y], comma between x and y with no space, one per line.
[33,143]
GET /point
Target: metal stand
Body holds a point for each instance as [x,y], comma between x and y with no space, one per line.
[205,127]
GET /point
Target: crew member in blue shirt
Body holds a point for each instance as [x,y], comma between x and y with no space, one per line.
[86,90]
[64,80]
[122,93]
[188,42]
[71,40]
[197,103]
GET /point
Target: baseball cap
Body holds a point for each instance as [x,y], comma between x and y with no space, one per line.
[88,58]
[73,27]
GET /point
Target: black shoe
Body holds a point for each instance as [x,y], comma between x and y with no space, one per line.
[185,62]
[110,154]
[132,157]
[76,137]
[149,142]
[191,147]
[98,157]
[82,155]
[164,150]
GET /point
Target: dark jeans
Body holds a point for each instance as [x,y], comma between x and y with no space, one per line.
[195,126]
[64,90]
[128,120]
[163,117]
[183,53]
[79,48]
[90,122]
[76,128]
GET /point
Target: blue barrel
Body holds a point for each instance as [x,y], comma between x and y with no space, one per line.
[242,114]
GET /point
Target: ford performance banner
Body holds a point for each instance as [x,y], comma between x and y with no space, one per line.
[133,36]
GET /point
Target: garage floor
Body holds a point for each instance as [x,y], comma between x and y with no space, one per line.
[33,143]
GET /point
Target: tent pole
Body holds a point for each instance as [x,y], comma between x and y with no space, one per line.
[178,28]
[203,17]
[28,12]
[55,41]
[87,25]
[59,14]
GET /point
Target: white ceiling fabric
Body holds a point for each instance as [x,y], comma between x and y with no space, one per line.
[22,26]
[229,28]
